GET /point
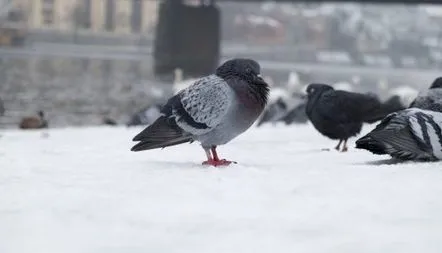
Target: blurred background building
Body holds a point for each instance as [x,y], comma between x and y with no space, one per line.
[97,17]
[131,16]
[82,59]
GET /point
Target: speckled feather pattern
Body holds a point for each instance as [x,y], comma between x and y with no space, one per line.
[207,102]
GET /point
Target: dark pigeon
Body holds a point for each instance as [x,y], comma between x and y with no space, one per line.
[145,116]
[411,134]
[430,99]
[109,121]
[213,110]
[296,115]
[290,110]
[338,114]
[273,112]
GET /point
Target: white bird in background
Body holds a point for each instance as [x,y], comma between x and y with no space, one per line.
[356,80]
[293,82]
[276,92]
[382,87]
[179,83]
[343,86]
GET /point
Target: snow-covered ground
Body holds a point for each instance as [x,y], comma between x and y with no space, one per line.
[81,190]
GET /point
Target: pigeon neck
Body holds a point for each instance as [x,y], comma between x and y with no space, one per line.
[253,95]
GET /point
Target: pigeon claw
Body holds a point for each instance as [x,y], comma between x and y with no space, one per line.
[216,163]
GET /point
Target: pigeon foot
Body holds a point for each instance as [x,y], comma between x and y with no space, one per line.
[344,148]
[216,163]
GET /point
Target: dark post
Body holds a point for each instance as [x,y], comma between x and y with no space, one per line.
[187,37]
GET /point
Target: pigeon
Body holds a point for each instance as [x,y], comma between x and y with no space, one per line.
[410,134]
[213,110]
[430,99]
[339,114]
[286,109]
[296,115]
[34,122]
[109,121]
[273,112]
[145,116]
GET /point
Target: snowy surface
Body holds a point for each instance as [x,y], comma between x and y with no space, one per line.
[81,190]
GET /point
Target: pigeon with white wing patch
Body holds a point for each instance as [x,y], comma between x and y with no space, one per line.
[213,110]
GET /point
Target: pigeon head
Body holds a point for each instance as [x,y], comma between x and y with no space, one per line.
[316,88]
[249,71]
[246,69]
[437,83]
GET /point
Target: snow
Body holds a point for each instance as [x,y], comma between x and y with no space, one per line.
[82,190]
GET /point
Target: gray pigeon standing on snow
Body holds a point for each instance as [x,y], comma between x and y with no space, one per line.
[213,110]
[430,99]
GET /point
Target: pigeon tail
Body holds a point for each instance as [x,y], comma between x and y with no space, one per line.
[391,105]
[162,133]
[370,144]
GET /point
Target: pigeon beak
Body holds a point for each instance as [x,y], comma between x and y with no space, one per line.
[259,79]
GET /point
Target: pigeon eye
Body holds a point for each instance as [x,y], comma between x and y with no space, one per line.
[248,70]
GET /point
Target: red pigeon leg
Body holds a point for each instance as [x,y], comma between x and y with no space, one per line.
[215,161]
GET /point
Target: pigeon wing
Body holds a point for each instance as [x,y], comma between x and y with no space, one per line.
[194,111]
[200,107]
